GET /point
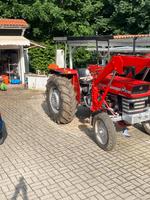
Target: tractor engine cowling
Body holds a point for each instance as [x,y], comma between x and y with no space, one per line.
[136,110]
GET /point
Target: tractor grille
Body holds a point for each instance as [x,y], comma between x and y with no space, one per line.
[133,106]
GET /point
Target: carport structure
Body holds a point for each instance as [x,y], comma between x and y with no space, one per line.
[106,45]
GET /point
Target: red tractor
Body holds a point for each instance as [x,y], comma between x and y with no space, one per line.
[116,92]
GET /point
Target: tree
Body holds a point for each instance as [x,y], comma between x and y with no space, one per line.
[40,58]
[49,18]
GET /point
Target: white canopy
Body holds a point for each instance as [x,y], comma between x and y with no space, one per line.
[119,43]
[14,40]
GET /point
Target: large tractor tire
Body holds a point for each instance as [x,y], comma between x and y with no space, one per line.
[104,131]
[146,126]
[61,99]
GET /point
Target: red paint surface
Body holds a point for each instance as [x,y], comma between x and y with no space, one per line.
[102,75]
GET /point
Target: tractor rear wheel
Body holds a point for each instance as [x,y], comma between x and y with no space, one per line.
[146,126]
[104,131]
[61,99]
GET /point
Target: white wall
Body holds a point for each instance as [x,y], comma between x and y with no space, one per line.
[37,82]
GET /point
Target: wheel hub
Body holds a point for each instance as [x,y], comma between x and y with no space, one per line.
[101,132]
[148,124]
[54,99]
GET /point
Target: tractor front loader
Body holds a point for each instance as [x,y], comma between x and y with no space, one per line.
[115,93]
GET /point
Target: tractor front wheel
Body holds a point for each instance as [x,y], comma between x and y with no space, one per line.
[104,131]
[146,126]
[61,100]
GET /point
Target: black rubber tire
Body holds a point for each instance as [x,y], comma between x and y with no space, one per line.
[109,129]
[146,127]
[67,98]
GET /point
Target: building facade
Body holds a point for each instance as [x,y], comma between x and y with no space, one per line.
[14,48]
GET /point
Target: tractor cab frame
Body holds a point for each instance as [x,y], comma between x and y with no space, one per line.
[103,46]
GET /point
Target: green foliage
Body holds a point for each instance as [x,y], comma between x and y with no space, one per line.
[49,18]
[82,57]
[40,58]
[130,16]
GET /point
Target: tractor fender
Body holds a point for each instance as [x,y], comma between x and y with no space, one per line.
[71,74]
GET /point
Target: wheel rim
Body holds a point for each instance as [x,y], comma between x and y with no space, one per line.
[147,124]
[54,99]
[101,132]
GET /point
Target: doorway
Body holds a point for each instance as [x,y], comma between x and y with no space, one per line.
[9,59]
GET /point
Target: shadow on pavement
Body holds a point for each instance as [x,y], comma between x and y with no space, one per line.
[140,127]
[20,187]
[83,114]
[45,107]
[87,130]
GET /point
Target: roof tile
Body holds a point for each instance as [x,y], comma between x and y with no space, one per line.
[131,36]
[13,23]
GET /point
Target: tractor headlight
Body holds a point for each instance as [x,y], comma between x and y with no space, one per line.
[140,89]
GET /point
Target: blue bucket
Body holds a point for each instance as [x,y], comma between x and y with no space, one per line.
[15,81]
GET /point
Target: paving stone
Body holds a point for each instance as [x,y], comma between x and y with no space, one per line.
[145,197]
[46,161]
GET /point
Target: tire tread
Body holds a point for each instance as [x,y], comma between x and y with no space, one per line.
[68,98]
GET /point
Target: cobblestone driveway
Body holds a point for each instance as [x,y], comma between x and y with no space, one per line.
[42,160]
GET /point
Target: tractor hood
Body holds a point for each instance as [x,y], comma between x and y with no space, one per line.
[127,86]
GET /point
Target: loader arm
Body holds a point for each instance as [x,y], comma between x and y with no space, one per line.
[117,65]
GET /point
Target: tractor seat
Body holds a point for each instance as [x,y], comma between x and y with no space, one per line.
[84,75]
